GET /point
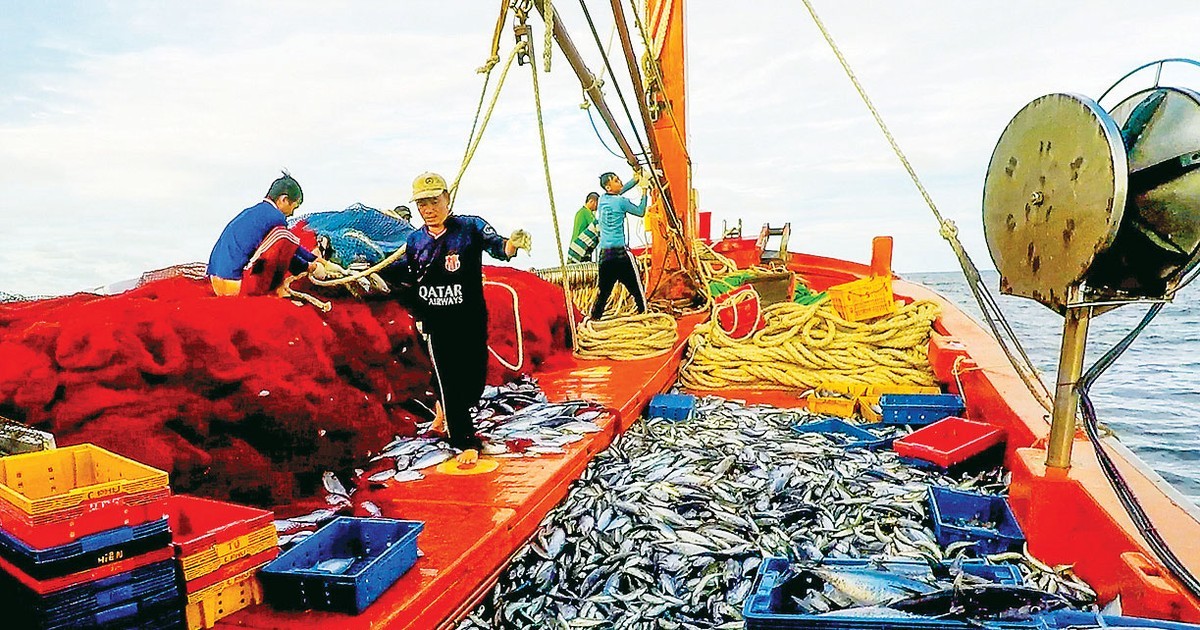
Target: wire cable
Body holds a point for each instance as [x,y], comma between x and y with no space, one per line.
[1121,487]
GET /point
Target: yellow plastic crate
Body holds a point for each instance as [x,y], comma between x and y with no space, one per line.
[208,606]
[204,562]
[63,478]
[879,390]
[863,299]
[845,387]
[840,407]
[869,415]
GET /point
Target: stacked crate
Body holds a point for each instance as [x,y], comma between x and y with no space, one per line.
[219,548]
[84,542]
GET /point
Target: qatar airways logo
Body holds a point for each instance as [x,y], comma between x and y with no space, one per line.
[442,295]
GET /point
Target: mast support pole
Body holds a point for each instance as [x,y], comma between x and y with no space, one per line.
[590,85]
[1066,398]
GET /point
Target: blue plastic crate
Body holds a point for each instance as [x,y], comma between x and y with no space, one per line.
[855,437]
[919,409]
[344,567]
[763,609]
[986,519]
[1081,619]
[86,553]
[671,406]
[146,594]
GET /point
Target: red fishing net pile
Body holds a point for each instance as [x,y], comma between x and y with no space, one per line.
[242,398]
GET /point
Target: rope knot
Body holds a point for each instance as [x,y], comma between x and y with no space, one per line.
[948,231]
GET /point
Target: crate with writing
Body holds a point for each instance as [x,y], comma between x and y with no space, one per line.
[87,552]
[215,540]
[53,498]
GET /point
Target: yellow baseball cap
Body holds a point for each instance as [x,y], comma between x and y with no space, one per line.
[428,185]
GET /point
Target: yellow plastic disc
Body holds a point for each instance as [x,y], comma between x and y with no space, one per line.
[480,467]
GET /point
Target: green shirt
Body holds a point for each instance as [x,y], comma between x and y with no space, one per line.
[583,218]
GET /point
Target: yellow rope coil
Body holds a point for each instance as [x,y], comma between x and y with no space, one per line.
[802,346]
[626,338]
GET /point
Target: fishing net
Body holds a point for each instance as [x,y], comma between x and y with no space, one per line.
[246,398]
[357,234]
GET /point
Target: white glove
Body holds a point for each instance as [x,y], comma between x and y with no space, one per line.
[521,239]
[643,180]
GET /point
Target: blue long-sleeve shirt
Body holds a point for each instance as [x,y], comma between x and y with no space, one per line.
[611,211]
[241,238]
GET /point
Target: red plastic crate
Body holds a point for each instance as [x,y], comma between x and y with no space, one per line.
[60,528]
[949,441]
[208,534]
[44,587]
[231,570]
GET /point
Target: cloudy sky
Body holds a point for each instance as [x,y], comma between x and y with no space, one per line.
[131,132]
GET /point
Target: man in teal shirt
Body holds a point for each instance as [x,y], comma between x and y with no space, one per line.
[585,232]
[616,261]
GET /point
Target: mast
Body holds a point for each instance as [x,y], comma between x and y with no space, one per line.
[666,96]
[672,261]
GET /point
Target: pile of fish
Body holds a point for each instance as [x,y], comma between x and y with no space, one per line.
[514,420]
[668,527]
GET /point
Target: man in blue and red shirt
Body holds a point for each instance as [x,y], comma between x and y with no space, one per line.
[443,266]
[255,251]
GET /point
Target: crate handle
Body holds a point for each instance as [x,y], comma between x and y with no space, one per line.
[109,538]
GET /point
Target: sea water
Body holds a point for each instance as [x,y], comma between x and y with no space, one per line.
[1150,397]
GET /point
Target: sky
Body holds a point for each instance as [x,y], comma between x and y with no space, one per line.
[132,132]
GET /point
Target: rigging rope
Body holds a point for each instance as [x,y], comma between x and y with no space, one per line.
[474,139]
[627,338]
[562,261]
[948,231]
[804,346]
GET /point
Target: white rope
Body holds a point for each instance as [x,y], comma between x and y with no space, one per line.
[520,333]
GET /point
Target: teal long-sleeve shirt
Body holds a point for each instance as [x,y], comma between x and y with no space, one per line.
[610,213]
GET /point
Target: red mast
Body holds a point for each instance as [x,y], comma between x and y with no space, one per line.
[666,91]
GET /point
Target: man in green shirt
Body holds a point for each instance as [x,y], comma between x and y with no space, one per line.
[585,219]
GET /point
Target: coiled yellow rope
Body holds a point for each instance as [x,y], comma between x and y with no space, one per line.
[627,338]
[802,347]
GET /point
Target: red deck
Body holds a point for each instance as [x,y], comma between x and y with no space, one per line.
[474,523]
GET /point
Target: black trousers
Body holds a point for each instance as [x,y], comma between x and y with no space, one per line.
[617,265]
[459,354]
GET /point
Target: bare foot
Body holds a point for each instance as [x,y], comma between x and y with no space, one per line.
[439,419]
[467,457]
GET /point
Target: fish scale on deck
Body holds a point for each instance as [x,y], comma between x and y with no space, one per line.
[668,526]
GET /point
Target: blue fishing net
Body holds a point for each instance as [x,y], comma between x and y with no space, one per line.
[358,234]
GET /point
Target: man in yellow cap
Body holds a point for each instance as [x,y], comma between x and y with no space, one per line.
[443,263]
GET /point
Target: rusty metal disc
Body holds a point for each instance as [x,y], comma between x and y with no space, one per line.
[1054,196]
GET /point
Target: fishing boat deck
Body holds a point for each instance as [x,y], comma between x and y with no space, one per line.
[475,523]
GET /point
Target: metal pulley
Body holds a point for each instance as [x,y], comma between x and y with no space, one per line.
[1081,205]
[1085,210]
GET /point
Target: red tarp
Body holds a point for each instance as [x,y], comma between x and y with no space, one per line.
[242,398]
